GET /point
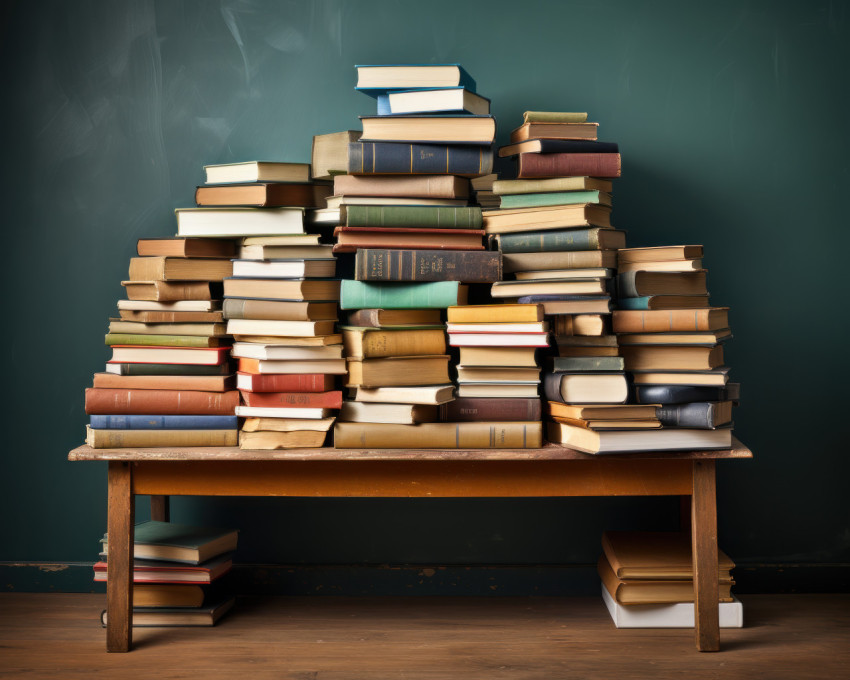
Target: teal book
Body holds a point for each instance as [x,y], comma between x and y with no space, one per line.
[635,302]
[431,217]
[587,364]
[162,340]
[431,295]
[554,198]
[594,238]
[181,542]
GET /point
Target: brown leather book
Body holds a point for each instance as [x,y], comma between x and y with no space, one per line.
[532,165]
[283,382]
[423,186]
[349,239]
[554,131]
[479,435]
[151,316]
[264,195]
[500,409]
[199,383]
[186,247]
[670,320]
[171,291]
[398,371]
[332,399]
[655,555]
[179,269]
[104,401]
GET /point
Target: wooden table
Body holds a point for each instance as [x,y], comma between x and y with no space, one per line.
[413,473]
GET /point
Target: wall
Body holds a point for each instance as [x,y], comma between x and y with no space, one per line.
[731,118]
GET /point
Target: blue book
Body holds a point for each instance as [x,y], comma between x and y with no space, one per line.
[394,158]
[377,79]
[139,422]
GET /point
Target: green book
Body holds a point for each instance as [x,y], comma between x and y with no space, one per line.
[554,198]
[166,369]
[425,217]
[587,364]
[594,238]
[181,542]
[161,340]
[432,295]
[553,117]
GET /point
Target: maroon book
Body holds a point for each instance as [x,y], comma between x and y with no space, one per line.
[568,165]
[501,409]
[277,382]
[293,399]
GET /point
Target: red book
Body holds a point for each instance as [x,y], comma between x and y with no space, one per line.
[104,401]
[293,399]
[150,571]
[568,165]
[501,409]
[277,382]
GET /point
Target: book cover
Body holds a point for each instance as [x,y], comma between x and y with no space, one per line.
[119,439]
[531,165]
[102,401]
[367,295]
[154,422]
[421,217]
[331,399]
[474,409]
[562,240]
[394,158]
[427,265]
[468,435]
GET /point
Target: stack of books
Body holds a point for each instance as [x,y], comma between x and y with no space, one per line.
[180,574]
[169,381]
[280,302]
[647,581]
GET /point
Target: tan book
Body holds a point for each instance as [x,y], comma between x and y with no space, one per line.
[257,171]
[211,330]
[546,217]
[630,441]
[379,318]
[167,595]
[497,374]
[468,435]
[264,195]
[166,291]
[283,289]
[292,341]
[122,439]
[255,424]
[308,252]
[202,305]
[603,411]
[552,185]
[671,358]
[662,266]
[410,394]
[576,259]
[595,305]
[673,321]
[272,440]
[282,240]
[610,424]
[330,153]
[579,351]
[518,390]
[588,388]
[715,378]
[484,182]
[402,414]
[398,371]
[660,253]
[553,274]
[554,131]
[513,289]
[422,186]
[640,283]
[523,313]
[201,356]
[381,342]
[655,555]
[425,129]
[498,356]
[186,247]
[275,328]
[198,383]
[147,317]
[654,592]
[279,310]
[179,269]
[707,338]
[591,325]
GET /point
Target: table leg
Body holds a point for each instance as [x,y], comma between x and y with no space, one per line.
[119,583]
[704,547]
[160,510]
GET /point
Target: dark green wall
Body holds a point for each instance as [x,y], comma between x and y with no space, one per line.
[732,121]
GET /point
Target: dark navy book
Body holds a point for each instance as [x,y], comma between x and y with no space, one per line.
[141,422]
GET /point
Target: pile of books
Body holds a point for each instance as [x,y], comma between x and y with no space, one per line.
[169,381]
[180,574]
[647,581]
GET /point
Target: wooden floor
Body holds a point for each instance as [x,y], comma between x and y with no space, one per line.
[328,638]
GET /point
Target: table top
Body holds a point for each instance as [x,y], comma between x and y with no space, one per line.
[234,453]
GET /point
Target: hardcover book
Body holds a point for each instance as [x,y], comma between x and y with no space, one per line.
[427,265]
[411,216]
[561,240]
[388,158]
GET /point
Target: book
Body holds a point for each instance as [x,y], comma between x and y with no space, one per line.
[314,290]
[683,394]
[195,383]
[709,338]
[655,555]
[500,390]
[280,440]
[176,370]
[291,367]
[156,422]
[553,117]
[626,441]
[546,218]
[558,146]
[561,240]
[552,130]
[688,302]
[279,310]
[602,411]
[349,239]
[274,327]
[202,305]
[286,269]
[411,216]
[499,409]
[104,401]
[379,78]
[254,424]
[123,326]
[394,158]
[152,340]
[706,415]
[263,195]
[316,413]
[642,283]
[536,186]
[160,571]
[257,171]
[239,221]
[292,340]
[662,266]
[506,313]
[498,356]
[587,273]
[410,394]
[368,295]
[367,343]
[283,352]
[437,100]
[427,265]
[151,317]
[566,198]
[159,617]
[671,358]
[497,374]
[208,356]
[377,318]
[118,439]
[543,261]
[398,371]
[293,382]
[422,186]
[570,304]
[530,165]
[586,388]
[340,202]
[499,339]
[586,364]
[589,325]
[484,327]
[519,288]
[187,544]
[270,252]
[402,414]
[663,321]
[599,425]
[149,595]
[185,247]
[330,153]
[670,615]
[478,435]
[717,377]
[443,129]
[168,291]
[285,400]
[659,253]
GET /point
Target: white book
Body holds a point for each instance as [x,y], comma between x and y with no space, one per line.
[284,269]
[534,327]
[678,615]
[272,412]
[402,414]
[257,171]
[277,327]
[426,394]
[499,339]
[239,221]
[521,390]
[255,350]
[177,306]
[430,101]
[324,216]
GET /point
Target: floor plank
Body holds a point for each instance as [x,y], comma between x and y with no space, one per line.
[329,638]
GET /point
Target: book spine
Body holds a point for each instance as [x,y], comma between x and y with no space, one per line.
[398,343]
[371,158]
[167,369]
[427,265]
[537,241]
[466,435]
[552,387]
[627,285]
[569,165]
[493,314]
[147,269]
[635,303]
[433,186]
[465,409]
[535,186]
[364,318]
[555,198]
[153,422]
[420,217]
[553,117]
[700,415]
[331,399]
[102,401]
[199,383]
[660,321]
[364,295]
[159,340]
[117,439]
[582,364]
[304,382]
[678,394]
[170,291]
[383,102]
[582,146]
